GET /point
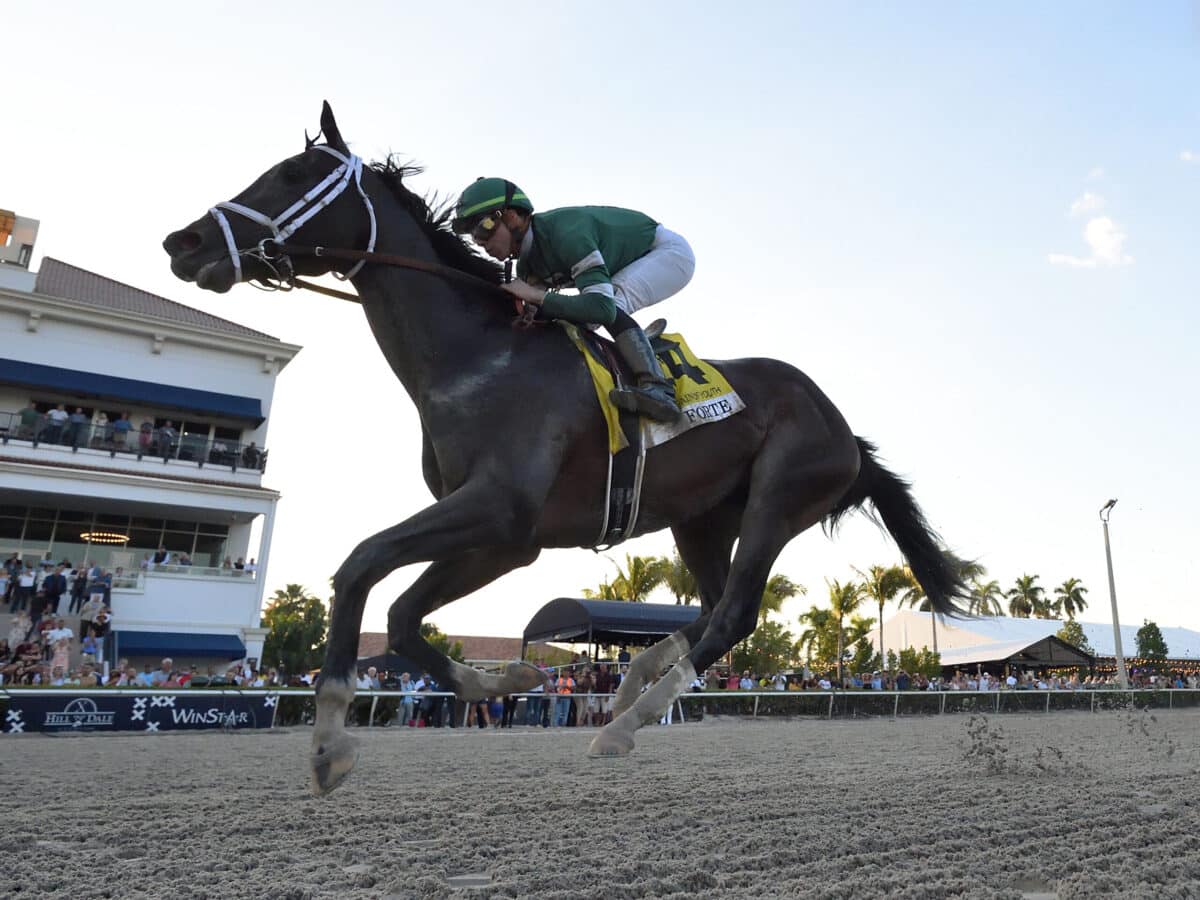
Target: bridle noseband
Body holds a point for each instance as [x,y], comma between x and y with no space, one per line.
[270,251]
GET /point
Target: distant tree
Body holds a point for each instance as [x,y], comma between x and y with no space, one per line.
[1068,598]
[985,598]
[882,584]
[924,661]
[1150,643]
[844,600]
[634,583]
[1027,598]
[914,598]
[440,642]
[818,641]
[298,623]
[778,589]
[1072,633]
[604,592]
[768,650]
[680,581]
[865,659]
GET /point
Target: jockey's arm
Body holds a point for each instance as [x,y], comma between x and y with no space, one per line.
[594,304]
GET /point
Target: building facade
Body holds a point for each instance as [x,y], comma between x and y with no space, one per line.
[133,436]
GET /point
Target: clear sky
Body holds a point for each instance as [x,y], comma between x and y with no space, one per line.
[974,227]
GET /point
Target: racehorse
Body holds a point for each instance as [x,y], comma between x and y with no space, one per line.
[514,447]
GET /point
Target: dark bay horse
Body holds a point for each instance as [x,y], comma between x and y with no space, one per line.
[514,445]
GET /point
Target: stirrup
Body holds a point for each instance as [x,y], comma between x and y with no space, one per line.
[647,402]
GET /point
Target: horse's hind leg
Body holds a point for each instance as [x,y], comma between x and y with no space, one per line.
[704,545]
[441,583]
[786,497]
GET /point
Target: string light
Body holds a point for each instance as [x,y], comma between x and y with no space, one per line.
[104,537]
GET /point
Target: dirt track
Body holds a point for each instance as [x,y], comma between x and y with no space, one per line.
[918,808]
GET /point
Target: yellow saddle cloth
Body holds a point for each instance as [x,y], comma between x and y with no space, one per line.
[702,392]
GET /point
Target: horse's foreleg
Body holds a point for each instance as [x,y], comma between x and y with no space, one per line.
[704,545]
[440,584]
[474,516]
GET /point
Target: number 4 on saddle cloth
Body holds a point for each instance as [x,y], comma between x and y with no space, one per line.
[703,395]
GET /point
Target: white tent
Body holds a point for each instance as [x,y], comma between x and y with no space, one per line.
[908,628]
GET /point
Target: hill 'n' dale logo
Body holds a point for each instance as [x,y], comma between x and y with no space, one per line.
[81,712]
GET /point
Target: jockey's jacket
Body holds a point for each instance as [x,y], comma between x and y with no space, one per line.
[582,246]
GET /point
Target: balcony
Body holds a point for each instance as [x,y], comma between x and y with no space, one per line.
[89,444]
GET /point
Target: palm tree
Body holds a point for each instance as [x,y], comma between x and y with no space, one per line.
[844,600]
[1026,598]
[882,584]
[778,589]
[820,623]
[985,599]
[642,574]
[914,597]
[604,592]
[680,581]
[1068,598]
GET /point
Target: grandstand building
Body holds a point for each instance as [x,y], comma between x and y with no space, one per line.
[133,426]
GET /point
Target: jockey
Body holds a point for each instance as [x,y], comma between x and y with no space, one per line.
[619,260]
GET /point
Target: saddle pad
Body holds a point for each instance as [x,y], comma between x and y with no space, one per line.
[701,391]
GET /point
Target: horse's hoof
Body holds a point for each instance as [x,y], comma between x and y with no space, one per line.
[611,744]
[520,677]
[331,762]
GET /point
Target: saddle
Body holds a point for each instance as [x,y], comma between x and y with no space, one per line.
[704,396]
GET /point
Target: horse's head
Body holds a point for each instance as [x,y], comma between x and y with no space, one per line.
[316,194]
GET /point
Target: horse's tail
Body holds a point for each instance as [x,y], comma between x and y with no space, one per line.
[937,570]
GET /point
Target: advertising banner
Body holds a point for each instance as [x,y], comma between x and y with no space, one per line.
[71,711]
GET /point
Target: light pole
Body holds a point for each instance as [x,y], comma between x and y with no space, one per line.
[1122,675]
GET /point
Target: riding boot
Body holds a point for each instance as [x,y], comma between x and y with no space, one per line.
[654,395]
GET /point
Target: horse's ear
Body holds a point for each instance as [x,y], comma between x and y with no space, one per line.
[329,128]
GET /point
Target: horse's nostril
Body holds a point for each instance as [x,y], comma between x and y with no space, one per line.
[182,242]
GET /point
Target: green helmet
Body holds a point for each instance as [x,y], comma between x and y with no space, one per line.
[486,195]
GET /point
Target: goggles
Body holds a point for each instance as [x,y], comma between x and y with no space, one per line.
[483,229]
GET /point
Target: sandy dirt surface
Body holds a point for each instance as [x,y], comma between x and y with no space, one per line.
[1068,805]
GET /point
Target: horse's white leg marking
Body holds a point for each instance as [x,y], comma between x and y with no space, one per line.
[616,738]
[474,685]
[334,752]
[644,667]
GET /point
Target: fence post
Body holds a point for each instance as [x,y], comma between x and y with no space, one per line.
[371,720]
[756,706]
[997,702]
[942,702]
[1048,701]
[831,704]
[896,706]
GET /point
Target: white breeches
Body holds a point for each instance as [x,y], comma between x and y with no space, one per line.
[665,270]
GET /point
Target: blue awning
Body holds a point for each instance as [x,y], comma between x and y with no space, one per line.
[178,643]
[109,387]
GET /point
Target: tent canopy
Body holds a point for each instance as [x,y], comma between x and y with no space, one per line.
[173,643]
[1049,652]
[607,621]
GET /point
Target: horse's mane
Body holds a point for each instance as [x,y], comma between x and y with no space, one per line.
[434,219]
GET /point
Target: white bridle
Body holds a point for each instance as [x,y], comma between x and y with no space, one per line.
[292,219]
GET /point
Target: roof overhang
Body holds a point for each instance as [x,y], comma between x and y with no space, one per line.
[130,390]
